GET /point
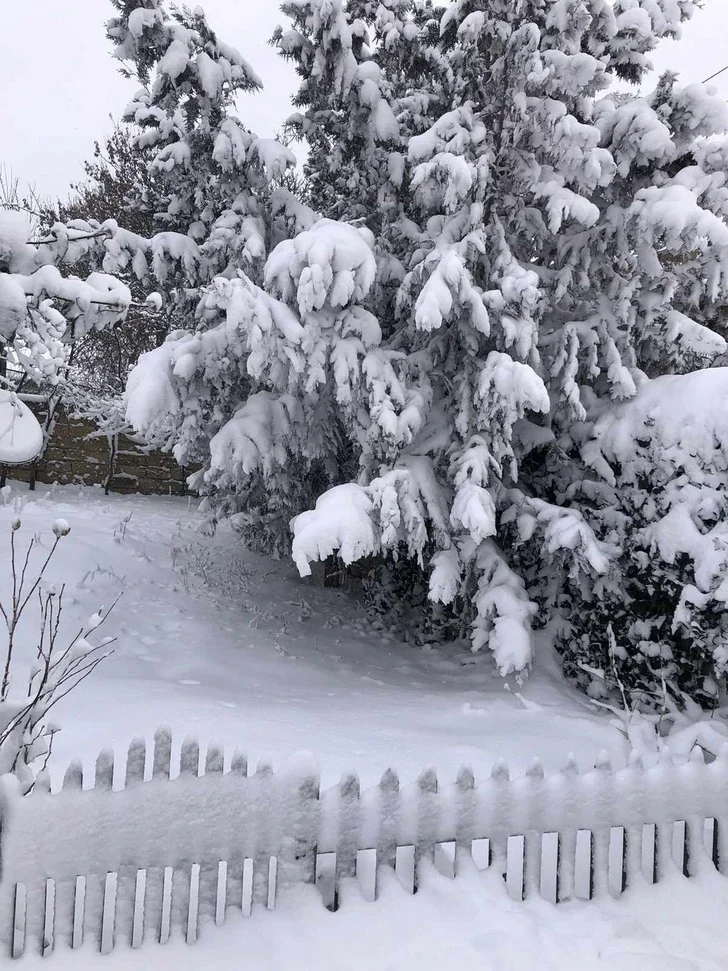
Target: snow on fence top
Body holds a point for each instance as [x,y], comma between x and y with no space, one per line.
[21,437]
[180,849]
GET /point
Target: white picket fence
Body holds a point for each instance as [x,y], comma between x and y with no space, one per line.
[145,857]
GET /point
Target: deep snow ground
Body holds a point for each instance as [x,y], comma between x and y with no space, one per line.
[219,643]
[228,646]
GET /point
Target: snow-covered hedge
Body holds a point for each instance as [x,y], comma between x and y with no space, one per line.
[658,621]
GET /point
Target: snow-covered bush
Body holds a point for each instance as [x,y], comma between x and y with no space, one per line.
[40,663]
[658,622]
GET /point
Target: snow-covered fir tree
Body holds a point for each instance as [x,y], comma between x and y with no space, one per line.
[361,64]
[214,173]
[533,294]
[566,252]
[219,206]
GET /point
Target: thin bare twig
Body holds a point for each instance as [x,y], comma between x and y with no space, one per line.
[56,671]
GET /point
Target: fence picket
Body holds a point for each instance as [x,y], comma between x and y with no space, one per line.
[347,837]
[428,807]
[162,753]
[209,874]
[180,908]
[298,825]
[126,890]
[189,758]
[239,763]
[631,793]
[502,808]
[565,787]
[156,887]
[214,760]
[93,908]
[386,842]
[19,922]
[464,803]
[208,887]
[601,781]
[696,857]
[104,778]
[662,781]
[234,885]
[65,909]
[42,784]
[263,782]
[49,912]
[153,904]
[73,778]
[135,763]
[536,793]
[233,890]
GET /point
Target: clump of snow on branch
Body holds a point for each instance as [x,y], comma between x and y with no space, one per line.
[43,306]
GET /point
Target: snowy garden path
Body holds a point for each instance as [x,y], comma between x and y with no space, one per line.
[219,643]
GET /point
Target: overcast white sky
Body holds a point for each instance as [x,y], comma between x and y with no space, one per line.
[58,83]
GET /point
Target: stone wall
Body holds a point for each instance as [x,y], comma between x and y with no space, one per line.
[118,463]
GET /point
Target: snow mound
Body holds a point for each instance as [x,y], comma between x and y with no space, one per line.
[14,234]
[340,522]
[680,420]
[21,437]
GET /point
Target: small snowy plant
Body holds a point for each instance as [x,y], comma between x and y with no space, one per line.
[40,665]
